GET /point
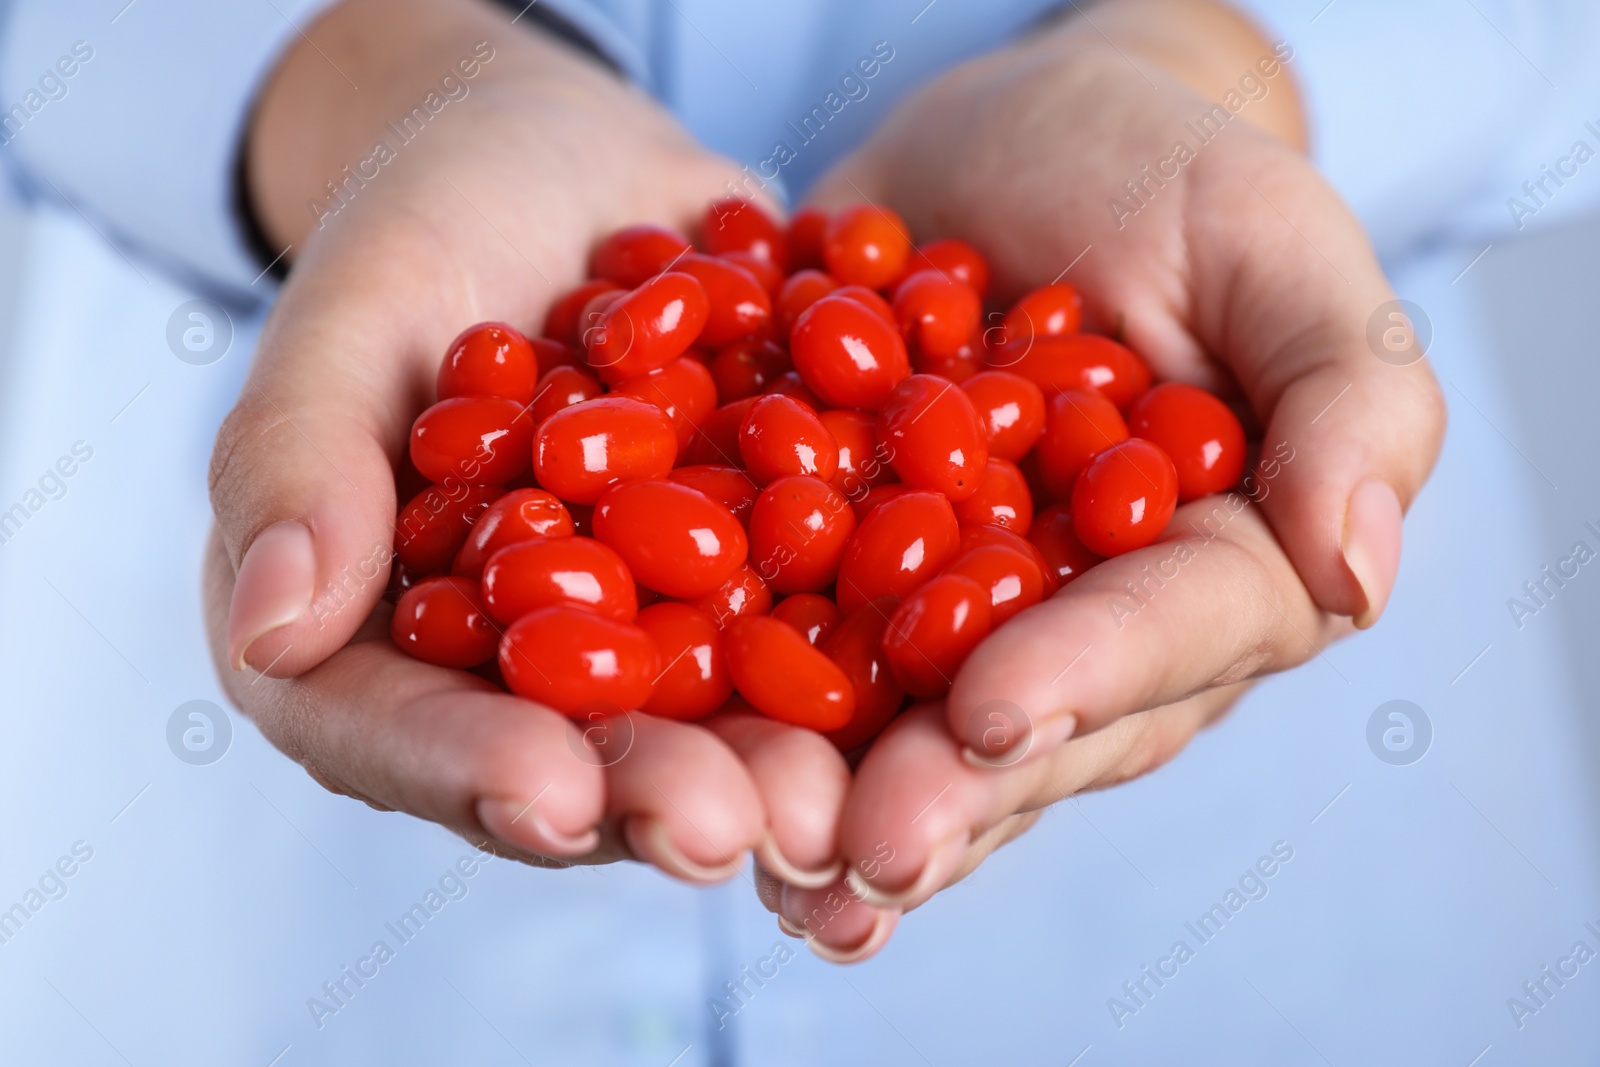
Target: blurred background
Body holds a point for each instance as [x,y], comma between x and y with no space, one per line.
[192,901]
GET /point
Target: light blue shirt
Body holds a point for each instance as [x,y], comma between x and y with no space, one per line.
[1406,905]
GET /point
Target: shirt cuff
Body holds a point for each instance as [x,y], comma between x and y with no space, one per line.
[135,117]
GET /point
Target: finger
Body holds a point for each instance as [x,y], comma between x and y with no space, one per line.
[837,925]
[303,472]
[920,815]
[1215,601]
[1354,416]
[439,744]
[683,801]
[803,781]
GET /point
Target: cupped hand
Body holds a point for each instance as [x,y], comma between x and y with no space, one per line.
[488,212]
[1237,269]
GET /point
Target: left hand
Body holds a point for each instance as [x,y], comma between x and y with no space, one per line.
[1243,273]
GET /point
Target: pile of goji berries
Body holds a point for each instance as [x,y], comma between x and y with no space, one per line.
[791,465]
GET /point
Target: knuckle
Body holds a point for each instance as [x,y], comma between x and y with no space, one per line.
[238,449]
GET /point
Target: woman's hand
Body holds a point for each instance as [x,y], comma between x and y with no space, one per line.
[1236,268]
[487,211]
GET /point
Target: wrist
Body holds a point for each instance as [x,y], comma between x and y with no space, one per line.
[1206,46]
[366,79]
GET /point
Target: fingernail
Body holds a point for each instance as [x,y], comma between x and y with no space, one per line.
[940,866]
[1372,545]
[1047,736]
[518,822]
[772,858]
[791,929]
[651,843]
[277,579]
[882,926]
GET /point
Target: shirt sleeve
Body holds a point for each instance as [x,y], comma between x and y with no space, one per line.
[1447,121]
[132,113]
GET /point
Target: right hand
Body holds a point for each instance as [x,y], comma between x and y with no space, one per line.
[488,213]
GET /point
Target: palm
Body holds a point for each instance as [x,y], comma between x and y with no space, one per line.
[1242,273]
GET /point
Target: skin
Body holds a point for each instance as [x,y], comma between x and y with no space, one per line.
[490,214]
[1246,275]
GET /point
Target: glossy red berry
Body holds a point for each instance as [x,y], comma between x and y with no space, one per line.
[634,254]
[738,307]
[562,387]
[1011,409]
[674,539]
[848,354]
[1079,426]
[575,661]
[581,451]
[683,390]
[806,227]
[1198,431]
[530,575]
[694,679]
[800,291]
[728,486]
[856,646]
[974,537]
[1049,311]
[1077,361]
[1124,499]
[933,631]
[784,678]
[746,368]
[868,299]
[862,462]
[520,515]
[813,616]
[781,436]
[743,594]
[933,437]
[435,523]
[478,440]
[898,546]
[490,359]
[1057,541]
[1002,499]
[737,225]
[937,314]
[791,385]
[954,257]
[799,529]
[865,244]
[770,277]
[442,621]
[563,322]
[716,442]
[1011,575]
[648,328]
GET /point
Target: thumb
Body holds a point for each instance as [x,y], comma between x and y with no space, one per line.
[302,474]
[1334,366]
